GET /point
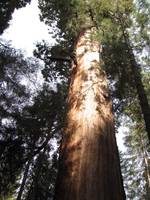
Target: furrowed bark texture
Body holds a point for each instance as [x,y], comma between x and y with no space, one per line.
[89,162]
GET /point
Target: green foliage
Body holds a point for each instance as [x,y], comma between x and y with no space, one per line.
[135,161]
[31,127]
[143,19]
[118,68]
[13,97]
[72,17]
[28,124]
[40,124]
[57,60]
[42,176]
[134,168]
[75,15]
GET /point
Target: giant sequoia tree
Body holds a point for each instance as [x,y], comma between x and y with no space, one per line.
[89,161]
[93,39]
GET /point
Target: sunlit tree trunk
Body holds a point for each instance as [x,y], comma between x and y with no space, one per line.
[89,167]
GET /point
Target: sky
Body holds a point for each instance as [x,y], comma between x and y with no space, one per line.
[26,29]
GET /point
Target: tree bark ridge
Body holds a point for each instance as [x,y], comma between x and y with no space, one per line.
[89,161]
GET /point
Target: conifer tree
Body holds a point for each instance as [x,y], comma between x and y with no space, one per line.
[89,160]
[136,68]
[136,165]
[134,43]
[13,97]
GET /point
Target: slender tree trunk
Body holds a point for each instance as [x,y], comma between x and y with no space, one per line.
[29,192]
[89,161]
[147,167]
[19,197]
[143,100]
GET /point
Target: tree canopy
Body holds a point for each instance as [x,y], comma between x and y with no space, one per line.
[31,120]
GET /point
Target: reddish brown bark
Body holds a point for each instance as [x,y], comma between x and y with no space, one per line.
[89,162]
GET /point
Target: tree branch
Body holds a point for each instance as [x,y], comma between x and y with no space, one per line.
[59,58]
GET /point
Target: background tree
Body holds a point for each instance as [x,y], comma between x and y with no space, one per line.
[136,161]
[80,12]
[29,121]
[133,44]
[13,97]
[39,124]
[136,168]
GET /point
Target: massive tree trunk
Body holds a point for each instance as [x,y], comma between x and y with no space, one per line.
[89,165]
